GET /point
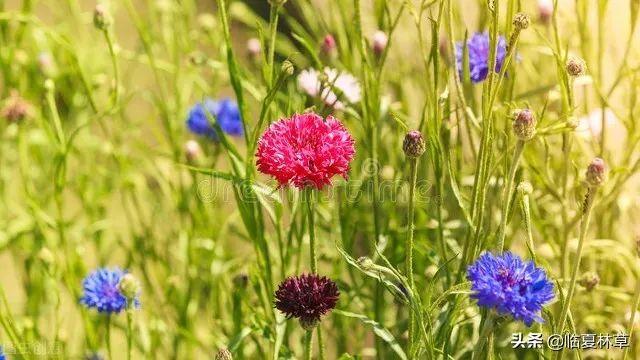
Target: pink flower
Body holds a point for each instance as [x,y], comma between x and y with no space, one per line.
[329,44]
[305,150]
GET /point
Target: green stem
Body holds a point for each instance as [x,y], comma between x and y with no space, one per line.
[313,251]
[320,344]
[413,179]
[508,193]
[129,331]
[108,337]
[485,336]
[526,215]
[116,72]
[584,226]
[634,311]
[308,342]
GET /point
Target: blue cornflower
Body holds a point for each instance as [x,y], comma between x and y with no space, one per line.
[478,50]
[101,291]
[225,112]
[2,356]
[510,286]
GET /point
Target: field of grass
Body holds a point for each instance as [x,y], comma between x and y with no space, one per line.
[319,179]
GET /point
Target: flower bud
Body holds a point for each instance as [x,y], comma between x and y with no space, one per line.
[49,85]
[46,256]
[521,21]
[308,324]
[524,188]
[365,263]
[224,354]
[192,150]
[329,46]
[596,172]
[431,271]
[93,356]
[15,109]
[379,42]
[207,22]
[129,286]
[387,173]
[573,122]
[443,46]
[576,66]
[241,281]
[197,58]
[545,10]
[101,17]
[287,68]
[589,280]
[47,65]
[524,124]
[254,48]
[413,145]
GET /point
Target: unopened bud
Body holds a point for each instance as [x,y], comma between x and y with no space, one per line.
[308,324]
[46,64]
[49,85]
[101,17]
[545,10]
[573,122]
[521,21]
[524,188]
[287,68]
[129,286]
[241,281]
[576,66]
[207,22]
[224,354]
[524,124]
[15,108]
[589,280]
[365,263]
[413,145]
[46,256]
[192,150]
[329,46]
[254,47]
[93,356]
[197,58]
[596,172]
[379,42]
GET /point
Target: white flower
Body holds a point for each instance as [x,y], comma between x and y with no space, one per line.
[192,150]
[380,41]
[545,9]
[254,47]
[590,126]
[309,81]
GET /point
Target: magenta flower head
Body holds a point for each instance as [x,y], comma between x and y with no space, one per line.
[329,45]
[596,172]
[305,151]
[307,298]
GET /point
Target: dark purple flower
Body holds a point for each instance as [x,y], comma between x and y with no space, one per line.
[478,50]
[510,286]
[306,297]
